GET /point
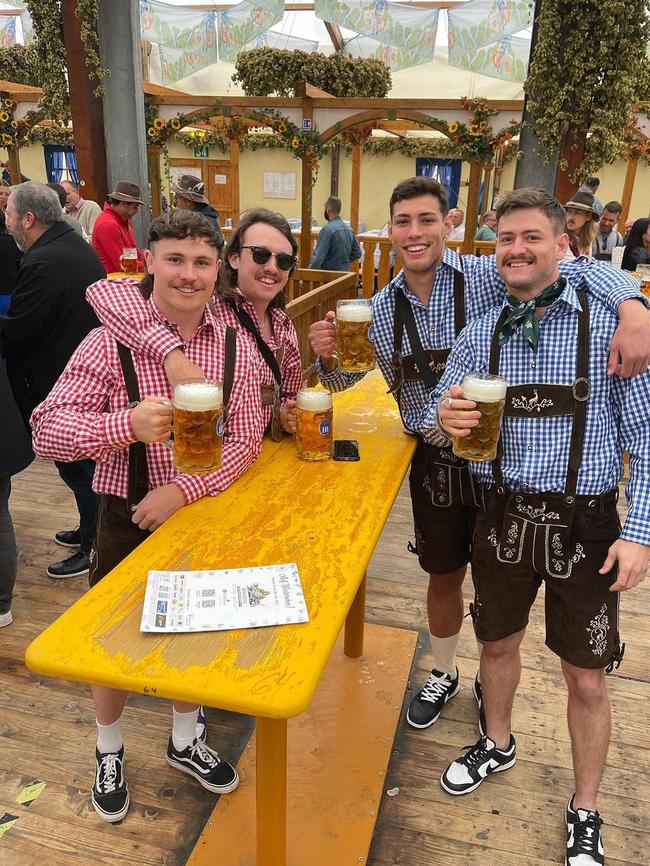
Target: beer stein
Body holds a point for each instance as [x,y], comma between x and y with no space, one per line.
[314,433]
[354,348]
[489,394]
[129,260]
[197,422]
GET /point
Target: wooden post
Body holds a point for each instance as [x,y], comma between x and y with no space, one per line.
[487,177]
[14,164]
[335,156]
[573,151]
[306,190]
[86,110]
[628,187]
[472,206]
[271,786]
[153,170]
[356,187]
[234,165]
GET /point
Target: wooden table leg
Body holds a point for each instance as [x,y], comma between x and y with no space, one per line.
[271,776]
[353,642]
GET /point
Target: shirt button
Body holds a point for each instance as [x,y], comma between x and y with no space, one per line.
[533,364]
[530,447]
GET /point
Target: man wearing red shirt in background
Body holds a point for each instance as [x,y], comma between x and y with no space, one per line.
[113,230]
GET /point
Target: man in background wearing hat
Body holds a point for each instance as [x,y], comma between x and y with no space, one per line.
[113,231]
[581,222]
[189,196]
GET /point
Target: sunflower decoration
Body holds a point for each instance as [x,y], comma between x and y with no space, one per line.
[8,125]
[175,124]
[453,127]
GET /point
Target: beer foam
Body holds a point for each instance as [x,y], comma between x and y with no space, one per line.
[484,390]
[314,400]
[198,396]
[354,312]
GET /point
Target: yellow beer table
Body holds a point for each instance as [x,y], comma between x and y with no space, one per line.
[326,517]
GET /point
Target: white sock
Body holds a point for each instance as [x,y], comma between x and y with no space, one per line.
[444,653]
[184,728]
[109,738]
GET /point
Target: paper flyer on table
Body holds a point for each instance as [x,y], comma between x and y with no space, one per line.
[186,601]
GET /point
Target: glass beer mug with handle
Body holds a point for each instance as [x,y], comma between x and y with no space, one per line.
[354,348]
[129,260]
[197,424]
[314,416]
[489,394]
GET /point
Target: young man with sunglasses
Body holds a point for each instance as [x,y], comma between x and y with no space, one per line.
[416,319]
[258,262]
[106,403]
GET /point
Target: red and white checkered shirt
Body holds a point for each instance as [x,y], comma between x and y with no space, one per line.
[120,306]
[86,414]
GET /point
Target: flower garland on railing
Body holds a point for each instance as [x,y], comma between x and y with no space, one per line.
[159,131]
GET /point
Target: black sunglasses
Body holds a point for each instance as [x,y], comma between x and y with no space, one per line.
[284,261]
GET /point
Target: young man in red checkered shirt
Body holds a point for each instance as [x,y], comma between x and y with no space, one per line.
[90,413]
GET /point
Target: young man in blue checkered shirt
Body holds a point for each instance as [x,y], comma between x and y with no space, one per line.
[550,514]
[442,292]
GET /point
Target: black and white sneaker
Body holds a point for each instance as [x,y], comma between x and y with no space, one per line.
[426,705]
[480,760]
[205,765]
[68,538]
[584,845]
[76,565]
[201,726]
[478,697]
[110,794]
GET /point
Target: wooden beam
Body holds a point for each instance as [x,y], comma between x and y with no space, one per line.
[234,165]
[396,132]
[305,194]
[304,88]
[335,35]
[153,170]
[628,187]
[14,164]
[472,206]
[86,110]
[355,192]
[335,157]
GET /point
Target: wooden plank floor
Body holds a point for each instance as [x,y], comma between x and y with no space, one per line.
[47,732]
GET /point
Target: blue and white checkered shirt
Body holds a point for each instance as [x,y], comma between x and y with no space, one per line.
[435,321]
[536,451]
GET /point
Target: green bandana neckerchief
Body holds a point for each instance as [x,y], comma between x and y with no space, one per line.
[522,314]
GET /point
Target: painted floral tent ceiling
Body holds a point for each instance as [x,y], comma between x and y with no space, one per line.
[489,38]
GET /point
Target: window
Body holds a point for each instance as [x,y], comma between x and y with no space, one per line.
[60,163]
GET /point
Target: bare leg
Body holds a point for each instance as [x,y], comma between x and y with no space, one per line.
[109,704]
[500,672]
[589,718]
[445,602]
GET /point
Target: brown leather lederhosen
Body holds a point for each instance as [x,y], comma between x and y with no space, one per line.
[117,535]
[451,481]
[550,514]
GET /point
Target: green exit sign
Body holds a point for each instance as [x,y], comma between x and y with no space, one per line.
[202,151]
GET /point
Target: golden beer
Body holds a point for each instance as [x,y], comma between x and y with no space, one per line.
[355,349]
[489,393]
[314,432]
[129,260]
[198,426]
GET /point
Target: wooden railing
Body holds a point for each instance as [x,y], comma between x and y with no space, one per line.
[312,306]
[378,268]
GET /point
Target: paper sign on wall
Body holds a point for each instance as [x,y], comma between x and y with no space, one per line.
[279,184]
[220,178]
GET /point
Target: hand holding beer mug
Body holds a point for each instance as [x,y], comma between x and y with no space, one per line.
[355,349]
[488,392]
[314,433]
[129,260]
[198,425]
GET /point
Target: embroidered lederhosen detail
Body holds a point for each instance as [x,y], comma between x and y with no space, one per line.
[451,480]
[548,516]
[270,394]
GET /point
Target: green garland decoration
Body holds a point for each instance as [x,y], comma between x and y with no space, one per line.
[275,72]
[587,70]
[49,61]
[87,11]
